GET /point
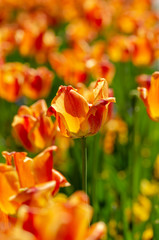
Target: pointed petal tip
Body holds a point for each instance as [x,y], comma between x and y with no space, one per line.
[143,92]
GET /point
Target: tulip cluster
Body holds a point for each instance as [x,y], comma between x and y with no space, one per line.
[28,185]
[71,222]
[17,80]
[103,56]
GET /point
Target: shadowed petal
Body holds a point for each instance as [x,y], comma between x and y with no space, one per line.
[24,169]
[43,164]
[96,116]
[9,186]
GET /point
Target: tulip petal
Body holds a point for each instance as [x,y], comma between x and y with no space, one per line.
[60,180]
[24,169]
[39,107]
[43,164]
[150,97]
[101,90]
[153,97]
[8,157]
[70,107]
[21,127]
[96,116]
[143,94]
[9,186]
[96,231]
[33,195]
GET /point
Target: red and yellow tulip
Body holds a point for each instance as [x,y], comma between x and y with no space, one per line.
[76,117]
[32,128]
[150,97]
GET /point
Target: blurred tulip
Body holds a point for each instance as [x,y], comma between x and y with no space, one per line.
[11,80]
[76,117]
[115,128]
[37,83]
[150,97]
[63,219]
[69,66]
[17,80]
[101,68]
[127,22]
[32,128]
[98,13]
[82,60]
[33,36]
[142,51]
[32,180]
[119,48]
[80,29]
[7,39]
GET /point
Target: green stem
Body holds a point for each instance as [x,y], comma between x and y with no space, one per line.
[156,217]
[127,234]
[84,164]
[95,151]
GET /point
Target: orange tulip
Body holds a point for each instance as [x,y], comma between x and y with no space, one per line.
[142,51]
[37,170]
[37,83]
[33,36]
[30,178]
[80,29]
[62,219]
[11,80]
[76,117]
[119,48]
[32,128]
[17,80]
[7,39]
[150,97]
[69,66]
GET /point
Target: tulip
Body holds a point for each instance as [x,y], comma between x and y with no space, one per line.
[150,97]
[37,83]
[37,170]
[142,52]
[62,219]
[11,81]
[119,48]
[32,128]
[76,117]
[17,80]
[31,181]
